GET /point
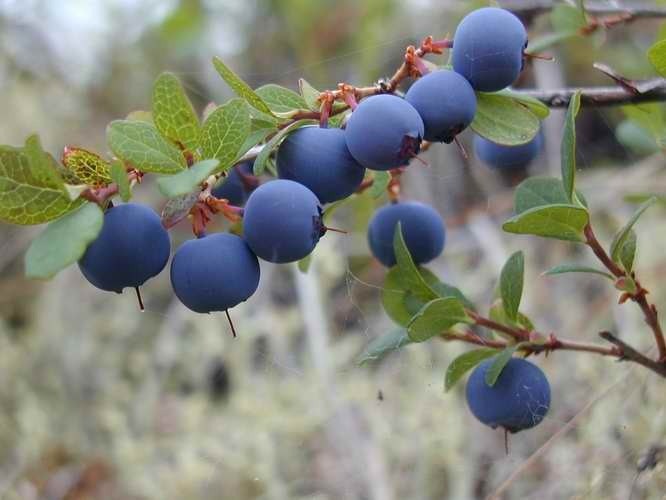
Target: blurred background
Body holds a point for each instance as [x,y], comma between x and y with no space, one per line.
[100,401]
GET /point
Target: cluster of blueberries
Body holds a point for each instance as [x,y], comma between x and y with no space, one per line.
[282,219]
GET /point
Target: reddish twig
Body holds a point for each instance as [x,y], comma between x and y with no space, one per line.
[638,296]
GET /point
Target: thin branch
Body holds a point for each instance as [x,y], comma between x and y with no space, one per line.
[652,319]
[631,354]
[552,344]
[533,7]
[601,254]
[652,90]
[515,333]
[649,310]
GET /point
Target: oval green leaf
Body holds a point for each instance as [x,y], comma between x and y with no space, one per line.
[188,180]
[503,120]
[464,363]
[436,317]
[562,222]
[140,144]
[173,113]
[511,284]
[63,242]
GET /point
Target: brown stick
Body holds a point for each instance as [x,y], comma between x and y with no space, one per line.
[533,7]
[631,354]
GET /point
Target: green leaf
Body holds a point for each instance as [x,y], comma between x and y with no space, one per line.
[537,192]
[173,113]
[88,167]
[380,182]
[500,361]
[262,158]
[628,252]
[540,191]
[444,290]
[532,103]
[409,273]
[383,345]
[464,363]
[503,120]
[622,235]
[40,162]
[576,268]
[437,316]
[310,95]
[29,192]
[562,222]
[657,57]
[225,131]
[398,300]
[511,284]
[280,99]
[498,314]
[188,180]
[256,137]
[63,242]
[119,176]
[567,19]
[568,150]
[241,88]
[141,145]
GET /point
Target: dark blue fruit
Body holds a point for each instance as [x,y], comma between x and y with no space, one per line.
[384,132]
[232,187]
[422,228]
[319,159]
[446,102]
[488,48]
[214,272]
[519,399]
[501,157]
[282,221]
[131,248]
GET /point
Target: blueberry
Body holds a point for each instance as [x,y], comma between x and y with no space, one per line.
[214,272]
[505,157]
[319,159]
[519,399]
[384,132]
[233,187]
[488,48]
[422,229]
[446,103]
[131,248]
[282,221]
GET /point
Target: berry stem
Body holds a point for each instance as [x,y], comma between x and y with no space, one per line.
[231,323]
[139,299]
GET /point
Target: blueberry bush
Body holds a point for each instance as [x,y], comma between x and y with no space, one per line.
[275,163]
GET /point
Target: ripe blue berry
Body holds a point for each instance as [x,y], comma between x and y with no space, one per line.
[214,272]
[131,248]
[488,48]
[422,228]
[319,159]
[233,187]
[446,103]
[519,399]
[504,157]
[384,132]
[282,221]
